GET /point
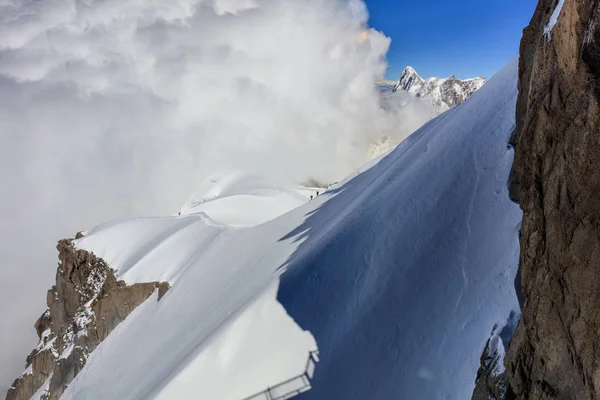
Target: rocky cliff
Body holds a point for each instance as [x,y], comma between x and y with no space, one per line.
[441,93]
[491,381]
[555,351]
[84,306]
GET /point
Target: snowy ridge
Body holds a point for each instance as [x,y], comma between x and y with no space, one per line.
[207,265]
[441,93]
[396,275]
[227,197]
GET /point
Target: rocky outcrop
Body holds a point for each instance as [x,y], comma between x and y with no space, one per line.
[441,93]
[409,81]
[491,382]
[555,351]
[84,306]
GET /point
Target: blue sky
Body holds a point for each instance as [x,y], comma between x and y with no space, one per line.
[467,38]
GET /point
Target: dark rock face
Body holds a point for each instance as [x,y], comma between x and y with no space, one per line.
[555,351]
[84,306]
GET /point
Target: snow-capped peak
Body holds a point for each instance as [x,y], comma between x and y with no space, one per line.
[409,81]
[410,70]
[442,93]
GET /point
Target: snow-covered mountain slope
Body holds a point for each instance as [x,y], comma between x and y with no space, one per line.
[239,199]
[441,93]
[420,260]
[396,275]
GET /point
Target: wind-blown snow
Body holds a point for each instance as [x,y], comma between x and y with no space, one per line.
[398,272]
[553,19]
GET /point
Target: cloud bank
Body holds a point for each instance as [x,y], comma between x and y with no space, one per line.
[116,108]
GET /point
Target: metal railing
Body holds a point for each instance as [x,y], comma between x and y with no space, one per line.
[293,386]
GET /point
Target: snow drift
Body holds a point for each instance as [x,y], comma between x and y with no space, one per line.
[396,275]
[241,199]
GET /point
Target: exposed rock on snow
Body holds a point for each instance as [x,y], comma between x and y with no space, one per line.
[84,306]
[555,351]
[491,382]
[441,93]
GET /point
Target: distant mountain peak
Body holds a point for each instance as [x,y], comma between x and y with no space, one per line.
[442,93]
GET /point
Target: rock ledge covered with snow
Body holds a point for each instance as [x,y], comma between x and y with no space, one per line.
[84,306]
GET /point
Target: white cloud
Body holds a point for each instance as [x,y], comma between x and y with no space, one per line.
[119,107]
